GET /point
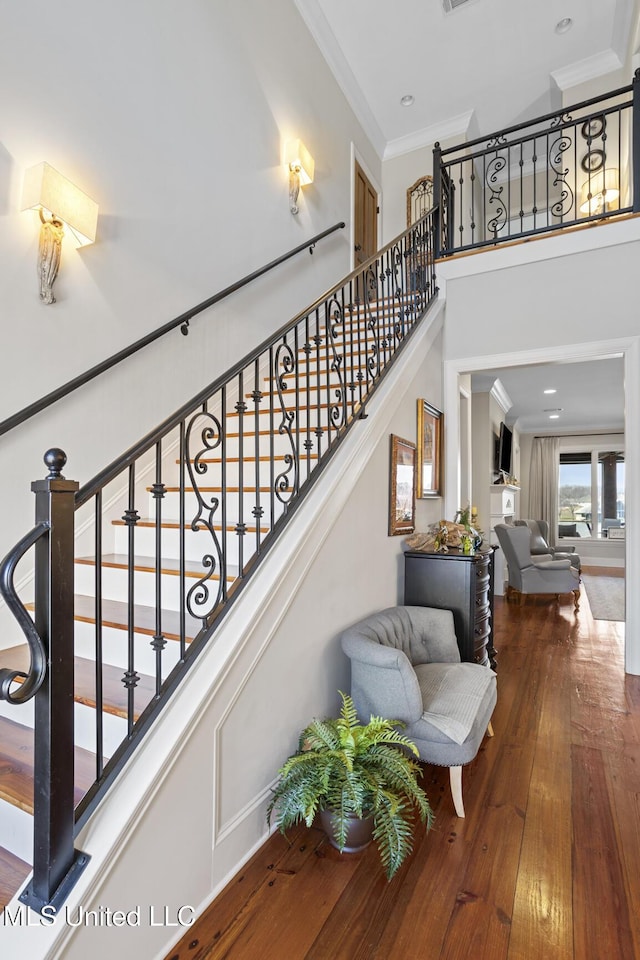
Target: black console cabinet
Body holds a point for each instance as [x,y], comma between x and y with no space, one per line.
[462,583]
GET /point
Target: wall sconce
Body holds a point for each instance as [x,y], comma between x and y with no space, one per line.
[600,191]
[60,203]
[301,168]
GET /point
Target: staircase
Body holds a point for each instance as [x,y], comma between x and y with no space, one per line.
[166,539]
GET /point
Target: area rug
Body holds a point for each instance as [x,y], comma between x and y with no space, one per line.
[605,596]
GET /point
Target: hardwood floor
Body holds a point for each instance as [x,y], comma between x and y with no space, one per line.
[544,867]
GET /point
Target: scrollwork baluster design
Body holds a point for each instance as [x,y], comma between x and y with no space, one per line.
[334,324]
[201,599]
[562,207]
[285,366]
[498,221]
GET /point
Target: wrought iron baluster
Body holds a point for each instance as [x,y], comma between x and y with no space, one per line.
[241,527]
[159,642]
[286,482]
[182,532]
[257,396]
[296,374]
[308,442]
[98,664]
[272,459]
[317,341]
[131,678]
[224,535]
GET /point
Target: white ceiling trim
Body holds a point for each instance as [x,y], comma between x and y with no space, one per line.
[436,133]
[325,39]
[500,395]
[588,69]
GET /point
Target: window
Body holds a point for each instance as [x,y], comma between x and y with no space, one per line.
[588,479]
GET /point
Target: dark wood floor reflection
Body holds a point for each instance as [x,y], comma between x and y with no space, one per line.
[546,865]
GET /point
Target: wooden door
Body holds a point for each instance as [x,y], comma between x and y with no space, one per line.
[365,218]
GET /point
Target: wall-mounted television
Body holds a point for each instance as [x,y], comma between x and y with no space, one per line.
[505,443]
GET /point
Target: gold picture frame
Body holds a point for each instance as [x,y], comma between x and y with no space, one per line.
[429,473]
[402,487]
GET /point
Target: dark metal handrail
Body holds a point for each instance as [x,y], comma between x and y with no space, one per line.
[182,321]
[200,502]
[527,124]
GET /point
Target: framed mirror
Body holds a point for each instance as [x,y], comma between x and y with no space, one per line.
[429,479]
[402,487]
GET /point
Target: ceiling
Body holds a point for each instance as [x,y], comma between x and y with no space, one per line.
[589,396]
[484,66]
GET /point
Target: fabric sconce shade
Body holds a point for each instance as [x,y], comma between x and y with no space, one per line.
[600,191]
[301,170]
[60,203]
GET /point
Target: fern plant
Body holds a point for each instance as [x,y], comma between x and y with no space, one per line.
[359,770]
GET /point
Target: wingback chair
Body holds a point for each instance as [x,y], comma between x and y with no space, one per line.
[528,576]
[405,665]
[540,544]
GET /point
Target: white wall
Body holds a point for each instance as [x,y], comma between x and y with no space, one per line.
[531,303]
[202,775]
[173,117]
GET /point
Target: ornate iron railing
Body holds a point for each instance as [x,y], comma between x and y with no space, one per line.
[181,321]
[568,168]
[167,536]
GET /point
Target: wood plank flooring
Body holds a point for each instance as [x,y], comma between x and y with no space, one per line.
[546,865]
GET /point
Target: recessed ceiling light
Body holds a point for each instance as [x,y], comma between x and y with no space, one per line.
[563,25]
[551,390]
[408,100]
[554,416]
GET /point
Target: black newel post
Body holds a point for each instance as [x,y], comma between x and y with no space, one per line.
[635,147]
[437,201]
[56,863]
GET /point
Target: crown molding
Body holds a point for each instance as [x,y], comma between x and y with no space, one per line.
[453,127]
[588,69]
[500,395]
[323,35]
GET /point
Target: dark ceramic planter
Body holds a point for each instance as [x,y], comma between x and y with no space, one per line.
[359,832]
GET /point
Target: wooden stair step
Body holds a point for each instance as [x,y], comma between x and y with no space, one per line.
[228,489]
[171,567]
[16,766]
[266,459]
[175,525]
[114,693]
[115,614]
[13,873]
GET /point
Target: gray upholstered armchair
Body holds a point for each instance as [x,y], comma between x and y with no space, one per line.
[528,576]
[405,665]
[540,544]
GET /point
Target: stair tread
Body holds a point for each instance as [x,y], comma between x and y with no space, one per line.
[145,564]
[175,525]
[115,614]
[16,766]
[114,694]
[13,873]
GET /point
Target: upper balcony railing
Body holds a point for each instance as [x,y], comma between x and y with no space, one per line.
[553,173]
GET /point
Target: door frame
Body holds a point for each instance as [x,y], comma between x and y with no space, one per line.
[629,349]
[357,156]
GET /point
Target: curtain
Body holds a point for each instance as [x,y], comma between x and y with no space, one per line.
[543,483]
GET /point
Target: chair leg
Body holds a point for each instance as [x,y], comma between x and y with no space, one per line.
[489,730]
[576,599]
[455,778]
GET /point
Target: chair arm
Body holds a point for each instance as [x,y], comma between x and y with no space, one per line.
[553,564]
[383,682]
